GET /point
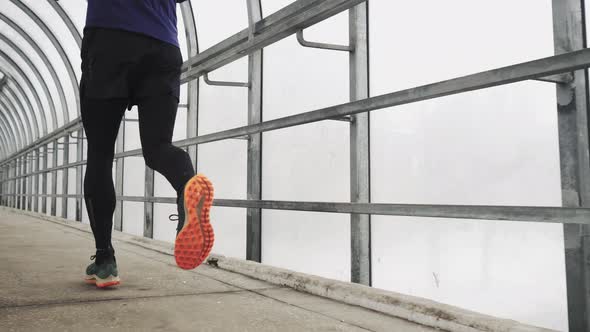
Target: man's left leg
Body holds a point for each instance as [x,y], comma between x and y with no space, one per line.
[157,115]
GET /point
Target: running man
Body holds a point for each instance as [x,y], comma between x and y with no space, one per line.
[130,56]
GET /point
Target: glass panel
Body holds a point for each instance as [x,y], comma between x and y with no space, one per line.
[310,162]
[492,147]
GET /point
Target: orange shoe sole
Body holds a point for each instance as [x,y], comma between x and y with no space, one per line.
[108,283]
[195,241]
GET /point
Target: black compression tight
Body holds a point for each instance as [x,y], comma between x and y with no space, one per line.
[101,119]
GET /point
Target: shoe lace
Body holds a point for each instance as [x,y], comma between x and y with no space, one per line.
[173,217]
[93,257]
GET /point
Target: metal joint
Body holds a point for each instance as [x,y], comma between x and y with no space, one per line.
[564,78]
[76,137]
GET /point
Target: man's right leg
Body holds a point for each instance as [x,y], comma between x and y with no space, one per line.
[101,119]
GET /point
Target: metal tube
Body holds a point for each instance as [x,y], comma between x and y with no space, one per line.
[360,186]
[62,53]
[63,104]
[254,172]
[17,125]
[322,46]
[36,181]
[192,106]
[23,182]
[65,176]
[43,84]
[63,130]
[569,35]
[224,83]
[557,215]
[44,180]
[506,75]
[148,226]
[79,173]
[54,180]
[29,118]
[8,134]
[285,22]
[29,187]
[119,178]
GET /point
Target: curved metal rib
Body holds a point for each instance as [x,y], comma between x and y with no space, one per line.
[30,117]
[11,100]
[58,47]
[47,62]
[39,79]
[69,23]
[9,139]
[17,131]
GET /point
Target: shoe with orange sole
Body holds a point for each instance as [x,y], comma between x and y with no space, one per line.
[195,237]
[103,272]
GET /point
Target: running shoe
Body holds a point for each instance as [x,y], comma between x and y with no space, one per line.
[103,271]
[195,237]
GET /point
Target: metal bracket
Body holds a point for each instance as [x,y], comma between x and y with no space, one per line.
[224,83]
[565,78]
[76,137]
[346,118]
[322,46]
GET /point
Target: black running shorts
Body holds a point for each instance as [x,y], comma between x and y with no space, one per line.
[127,65]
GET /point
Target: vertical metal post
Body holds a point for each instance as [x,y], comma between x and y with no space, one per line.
[23,201]
[79,174]
[15,202]
[36,180]
[65,177]
[148,226]
[17,183]
[119,173]
[16,172]
[254,173]
[572,99]
[44,179]
[360,224]
[30,178]
[192,45]
[54,180]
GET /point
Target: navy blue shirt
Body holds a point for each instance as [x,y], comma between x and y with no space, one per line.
[155,18]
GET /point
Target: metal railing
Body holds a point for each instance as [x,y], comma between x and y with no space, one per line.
[566,70]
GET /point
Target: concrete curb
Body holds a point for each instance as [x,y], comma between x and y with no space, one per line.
[414,309]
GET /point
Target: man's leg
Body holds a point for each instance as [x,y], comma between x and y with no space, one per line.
[195,238]
[157,115]
[101,120]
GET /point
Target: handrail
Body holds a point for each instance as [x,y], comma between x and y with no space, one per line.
[511,74]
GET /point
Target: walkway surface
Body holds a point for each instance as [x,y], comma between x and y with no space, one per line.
[41,289]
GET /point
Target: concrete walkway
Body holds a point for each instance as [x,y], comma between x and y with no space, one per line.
[41,289]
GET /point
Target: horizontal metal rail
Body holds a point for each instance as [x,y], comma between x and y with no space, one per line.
[66,129]
[544,214]
[511,74]
[287,21]
[506,75]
